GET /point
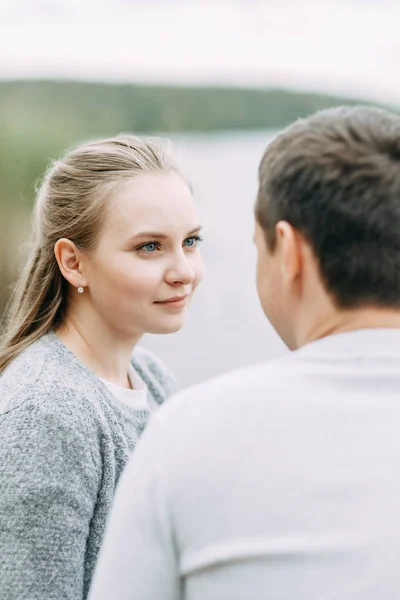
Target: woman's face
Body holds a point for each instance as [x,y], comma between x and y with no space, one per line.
[147,264]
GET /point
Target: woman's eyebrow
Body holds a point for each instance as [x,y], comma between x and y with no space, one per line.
[149,234]
[162,236]
[195,230]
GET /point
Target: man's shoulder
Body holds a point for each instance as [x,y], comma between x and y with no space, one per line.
[263,380]
[212,418]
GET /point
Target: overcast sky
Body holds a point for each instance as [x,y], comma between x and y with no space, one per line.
[347,47]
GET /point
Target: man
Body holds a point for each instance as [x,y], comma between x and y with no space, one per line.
[282,480]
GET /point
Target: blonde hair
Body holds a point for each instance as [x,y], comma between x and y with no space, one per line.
[71,203]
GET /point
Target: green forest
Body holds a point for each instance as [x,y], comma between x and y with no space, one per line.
[40,119]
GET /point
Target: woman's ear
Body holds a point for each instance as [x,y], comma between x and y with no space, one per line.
[69,259]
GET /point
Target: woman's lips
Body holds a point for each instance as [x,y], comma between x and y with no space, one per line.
[175,302]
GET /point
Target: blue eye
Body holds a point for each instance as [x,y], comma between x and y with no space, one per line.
[150,247]
[192,241]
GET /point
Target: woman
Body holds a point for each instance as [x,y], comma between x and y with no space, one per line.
[115,256]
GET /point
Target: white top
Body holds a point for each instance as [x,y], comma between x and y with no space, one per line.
[276,481]
[135,398]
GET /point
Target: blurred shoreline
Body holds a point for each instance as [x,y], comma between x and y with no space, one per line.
[219,134]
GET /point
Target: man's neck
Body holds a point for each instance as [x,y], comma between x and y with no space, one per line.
[349,320]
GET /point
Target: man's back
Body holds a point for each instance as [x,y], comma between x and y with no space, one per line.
[277,482]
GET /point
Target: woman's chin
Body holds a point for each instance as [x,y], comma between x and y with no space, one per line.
[171,325]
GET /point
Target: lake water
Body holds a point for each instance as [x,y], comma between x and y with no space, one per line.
[226,327]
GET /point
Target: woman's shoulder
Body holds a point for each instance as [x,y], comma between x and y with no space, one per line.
[48,375]
[155,373]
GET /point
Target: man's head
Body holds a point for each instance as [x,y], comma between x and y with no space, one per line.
[328,218]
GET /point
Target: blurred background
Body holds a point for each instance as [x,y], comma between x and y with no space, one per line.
[218,77]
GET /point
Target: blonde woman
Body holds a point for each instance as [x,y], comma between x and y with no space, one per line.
[115,256]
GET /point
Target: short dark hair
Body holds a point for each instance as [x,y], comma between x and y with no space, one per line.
[335,177]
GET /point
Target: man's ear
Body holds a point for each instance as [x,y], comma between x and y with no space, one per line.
[290,250]
[69,259]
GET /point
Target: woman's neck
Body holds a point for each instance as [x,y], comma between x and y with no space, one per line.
[100,350]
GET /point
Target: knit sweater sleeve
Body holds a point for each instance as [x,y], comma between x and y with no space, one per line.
[159,379]
[138,557]
[49,483]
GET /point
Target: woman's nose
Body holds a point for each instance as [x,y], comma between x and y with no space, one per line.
[180,271]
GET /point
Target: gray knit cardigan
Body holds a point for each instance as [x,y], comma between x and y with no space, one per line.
[64,440]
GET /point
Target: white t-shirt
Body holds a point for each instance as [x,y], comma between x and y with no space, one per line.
[135,398]
[279,480]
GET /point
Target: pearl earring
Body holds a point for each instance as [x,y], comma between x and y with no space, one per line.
[80,288]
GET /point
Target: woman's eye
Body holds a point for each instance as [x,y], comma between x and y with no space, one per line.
[150,247]
[192,241]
